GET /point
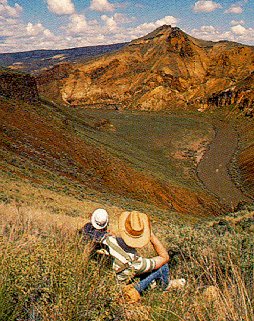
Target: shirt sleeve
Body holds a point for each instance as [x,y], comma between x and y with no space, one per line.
[144,265]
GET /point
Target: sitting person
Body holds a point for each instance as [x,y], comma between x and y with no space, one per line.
[135,232]
[95,230]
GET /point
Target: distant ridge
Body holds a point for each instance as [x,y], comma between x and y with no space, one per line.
[35,60]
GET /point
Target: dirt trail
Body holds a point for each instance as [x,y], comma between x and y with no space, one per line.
[213,168]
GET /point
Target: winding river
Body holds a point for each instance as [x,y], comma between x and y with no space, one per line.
[213,168]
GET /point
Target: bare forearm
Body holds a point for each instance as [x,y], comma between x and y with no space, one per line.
[159,248]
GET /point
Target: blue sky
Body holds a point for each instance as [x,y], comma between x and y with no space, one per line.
[57,24]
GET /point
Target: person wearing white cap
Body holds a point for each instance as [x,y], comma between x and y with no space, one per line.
[96,229]
[99,219]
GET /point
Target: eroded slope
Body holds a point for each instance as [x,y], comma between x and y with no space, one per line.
[163,70]
[41,147]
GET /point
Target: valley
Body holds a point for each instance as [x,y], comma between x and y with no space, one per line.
[132,126]
[124,158]
[65,151]
[162,125]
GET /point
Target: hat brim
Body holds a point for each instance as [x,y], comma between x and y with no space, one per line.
[95,225]
[136,242]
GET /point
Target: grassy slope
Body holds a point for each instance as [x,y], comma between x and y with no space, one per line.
[46,273]
[62,150]
[162,144]
[246,156]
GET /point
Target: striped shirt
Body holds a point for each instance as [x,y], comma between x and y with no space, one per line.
[126,262]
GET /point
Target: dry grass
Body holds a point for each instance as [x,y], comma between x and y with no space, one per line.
[47,272]
[43,205]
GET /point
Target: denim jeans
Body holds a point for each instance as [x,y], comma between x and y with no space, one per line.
[161,275]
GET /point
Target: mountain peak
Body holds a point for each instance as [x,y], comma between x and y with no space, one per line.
[162,32]
[165,69]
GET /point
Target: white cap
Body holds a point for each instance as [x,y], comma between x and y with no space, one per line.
[99,218]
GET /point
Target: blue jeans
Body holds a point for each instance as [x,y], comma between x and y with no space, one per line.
[161,275]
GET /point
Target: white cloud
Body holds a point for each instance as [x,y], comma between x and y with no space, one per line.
[111,24]
[239,30]
[34,30]
[121,18]
[237,22]
[22,37]
[114,22]
[37,29]
[167,20]
[206,6]
[8,27]
[210,33]
[235,9]
[101,5]
[61,7]
[237,33]
[242,34]
[148,27]
[78,24]
[208,29]
[8,11]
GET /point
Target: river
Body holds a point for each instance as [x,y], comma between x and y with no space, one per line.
[213,171]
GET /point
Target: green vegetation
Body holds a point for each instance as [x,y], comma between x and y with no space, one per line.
[40,143]
[46,273]
[162,144]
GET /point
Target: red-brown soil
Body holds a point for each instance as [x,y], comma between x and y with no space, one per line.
[246,163]
[52,148]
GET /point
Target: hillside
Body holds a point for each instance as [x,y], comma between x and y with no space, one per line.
[136,158]
[18,86]
[36,60]
[50,147]
[166,69]
[48,273]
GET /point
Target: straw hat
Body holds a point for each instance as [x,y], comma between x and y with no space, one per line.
[99,218]
[134,228]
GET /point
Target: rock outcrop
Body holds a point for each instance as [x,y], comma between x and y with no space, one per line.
[18,86]
[163,70]
[49,81]
[240,96]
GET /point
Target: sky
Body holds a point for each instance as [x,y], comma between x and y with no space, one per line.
[58,24]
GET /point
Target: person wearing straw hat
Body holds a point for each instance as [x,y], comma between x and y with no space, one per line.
[135,232]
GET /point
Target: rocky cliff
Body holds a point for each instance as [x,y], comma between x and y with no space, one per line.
[49,81]
[18,86]
[165,69]
[241,95]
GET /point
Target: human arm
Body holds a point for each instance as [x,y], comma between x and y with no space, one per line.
[163,256]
